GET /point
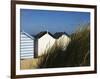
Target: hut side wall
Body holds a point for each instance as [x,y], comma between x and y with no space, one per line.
[26,46]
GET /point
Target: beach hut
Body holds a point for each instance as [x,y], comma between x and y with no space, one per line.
[62,40]
[26,46]
[43,41]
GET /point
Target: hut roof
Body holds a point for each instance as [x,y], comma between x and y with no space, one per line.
[27,34]
[39,35]
[59,34]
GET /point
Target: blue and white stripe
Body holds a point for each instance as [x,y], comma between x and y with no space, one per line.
[27,46]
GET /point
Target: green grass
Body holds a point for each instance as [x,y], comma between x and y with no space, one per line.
[77,53]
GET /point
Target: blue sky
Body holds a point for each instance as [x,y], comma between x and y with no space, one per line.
[35,21]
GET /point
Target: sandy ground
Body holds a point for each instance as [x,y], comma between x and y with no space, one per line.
[29,63]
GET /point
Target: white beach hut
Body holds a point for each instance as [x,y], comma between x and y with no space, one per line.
[26,46]
[43,41]
[62,40]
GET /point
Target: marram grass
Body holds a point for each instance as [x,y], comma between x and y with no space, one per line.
[76,54]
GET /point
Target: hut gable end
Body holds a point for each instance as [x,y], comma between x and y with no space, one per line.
[62,40]
[45,40]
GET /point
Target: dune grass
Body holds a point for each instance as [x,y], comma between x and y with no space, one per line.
[76,54]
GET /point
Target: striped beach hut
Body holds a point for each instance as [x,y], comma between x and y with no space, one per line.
[26,46]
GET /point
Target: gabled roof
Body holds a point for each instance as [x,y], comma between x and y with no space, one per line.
[39,35]
[59,34]
[27,34]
